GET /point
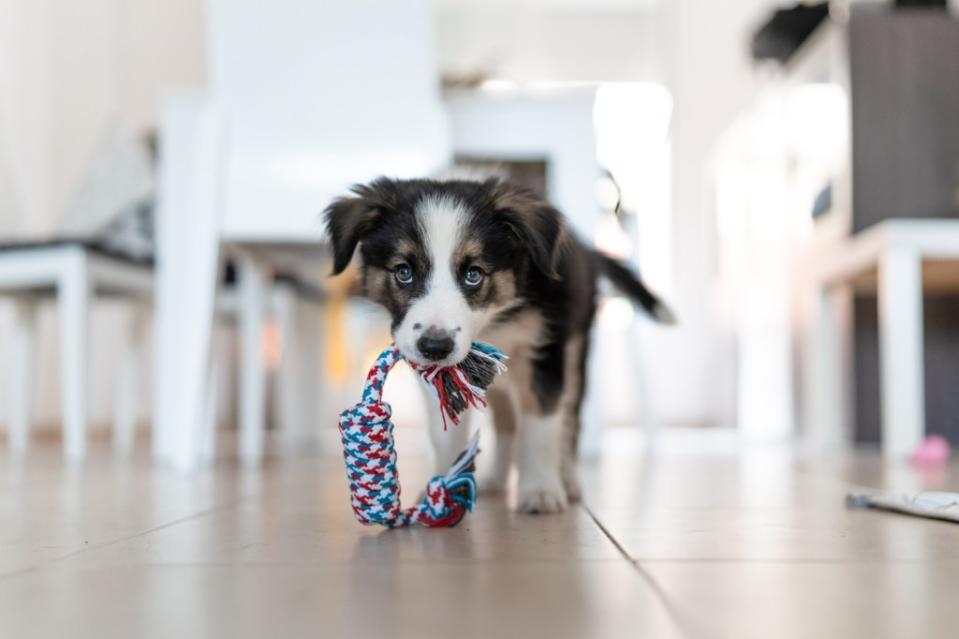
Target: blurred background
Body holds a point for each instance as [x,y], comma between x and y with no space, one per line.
[785,176]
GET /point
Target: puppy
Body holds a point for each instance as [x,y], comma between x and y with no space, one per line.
[460,261]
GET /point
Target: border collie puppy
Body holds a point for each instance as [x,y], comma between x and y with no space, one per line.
[461,261]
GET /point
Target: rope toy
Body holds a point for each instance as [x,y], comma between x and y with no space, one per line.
[367,434]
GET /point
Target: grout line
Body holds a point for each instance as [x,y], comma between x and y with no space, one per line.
[117,540]
[784,562]
[622,550]
[671,611]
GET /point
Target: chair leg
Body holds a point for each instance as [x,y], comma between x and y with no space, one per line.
[288,374]
[252,290]
[74,309]
[315,387]
[647,414]
[128,388]
[24,360]
[187,236]
[208,433]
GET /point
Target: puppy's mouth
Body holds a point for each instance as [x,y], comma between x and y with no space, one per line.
[422,362]
[414,357]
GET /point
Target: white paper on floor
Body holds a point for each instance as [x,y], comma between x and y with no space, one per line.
[931,504]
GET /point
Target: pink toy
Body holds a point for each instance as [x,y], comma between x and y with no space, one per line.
[934,449]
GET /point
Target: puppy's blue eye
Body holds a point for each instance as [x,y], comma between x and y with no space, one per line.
[403,274]
[473,277]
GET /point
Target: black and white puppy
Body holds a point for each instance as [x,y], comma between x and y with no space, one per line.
[461,261]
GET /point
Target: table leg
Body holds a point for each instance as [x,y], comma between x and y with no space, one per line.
[828,390]
[901,352]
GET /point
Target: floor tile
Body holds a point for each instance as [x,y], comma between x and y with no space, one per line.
[546,600]
[743,600]
[759,509]
[688,542]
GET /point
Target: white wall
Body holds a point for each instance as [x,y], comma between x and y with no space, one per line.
[706,49]
[67,68]
[550,40]
[23,114]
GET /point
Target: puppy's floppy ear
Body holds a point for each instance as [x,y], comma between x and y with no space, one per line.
[537,225]
[350,218]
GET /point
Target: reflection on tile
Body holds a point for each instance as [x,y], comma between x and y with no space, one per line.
[353,599]
[758,508]
[263,531]
[741,600]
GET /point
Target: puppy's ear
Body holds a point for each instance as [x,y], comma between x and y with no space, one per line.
[349,219]
[537,225]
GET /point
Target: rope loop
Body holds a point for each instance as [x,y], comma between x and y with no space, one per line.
[367,435]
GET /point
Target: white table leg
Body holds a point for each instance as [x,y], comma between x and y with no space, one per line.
[128,386]
[252,290]
[74,309]
[24,362]
[828,391]
[901,356]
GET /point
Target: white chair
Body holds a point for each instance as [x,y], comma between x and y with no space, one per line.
[75,273]
[95,253]
[114,262]
[295,308]
[305,98]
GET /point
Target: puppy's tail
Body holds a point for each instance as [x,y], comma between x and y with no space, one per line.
[628,282]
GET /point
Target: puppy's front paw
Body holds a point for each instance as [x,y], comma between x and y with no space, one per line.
[541,496]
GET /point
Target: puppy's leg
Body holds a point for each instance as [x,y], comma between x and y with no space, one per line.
[503,404]
[550,429]
[569,469]
[577,351]
[449,443]
[540,484]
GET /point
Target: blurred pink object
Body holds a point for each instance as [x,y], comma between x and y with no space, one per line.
[934,449]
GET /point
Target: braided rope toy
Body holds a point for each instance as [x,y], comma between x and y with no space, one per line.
[367,434]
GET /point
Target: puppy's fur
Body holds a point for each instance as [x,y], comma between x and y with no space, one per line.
[461,261]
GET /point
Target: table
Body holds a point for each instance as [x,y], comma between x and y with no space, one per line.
[899,259]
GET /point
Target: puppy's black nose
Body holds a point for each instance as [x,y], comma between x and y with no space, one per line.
[434,344]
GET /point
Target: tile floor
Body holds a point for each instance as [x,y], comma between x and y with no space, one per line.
[709,543]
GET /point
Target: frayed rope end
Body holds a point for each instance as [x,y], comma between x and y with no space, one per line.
[464,385]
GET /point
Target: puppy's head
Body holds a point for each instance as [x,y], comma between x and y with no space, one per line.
[444,258]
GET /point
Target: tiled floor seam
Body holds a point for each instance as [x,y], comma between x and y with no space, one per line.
[674,614]
[110,542]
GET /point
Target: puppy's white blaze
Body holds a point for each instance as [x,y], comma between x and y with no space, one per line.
[443,306]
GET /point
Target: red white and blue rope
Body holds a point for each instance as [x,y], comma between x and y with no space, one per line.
[367,434]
